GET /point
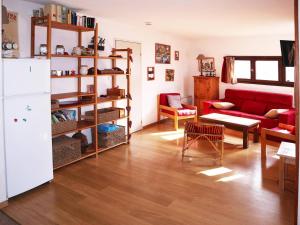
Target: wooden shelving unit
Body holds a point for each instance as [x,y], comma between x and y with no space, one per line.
[96,101]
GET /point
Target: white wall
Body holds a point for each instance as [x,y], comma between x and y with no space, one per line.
[219,47]
[3,194]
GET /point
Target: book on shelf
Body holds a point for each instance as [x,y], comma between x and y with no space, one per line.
[58,13]
[50,9]
[63,14]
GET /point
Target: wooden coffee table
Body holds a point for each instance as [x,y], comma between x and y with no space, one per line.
[235,123]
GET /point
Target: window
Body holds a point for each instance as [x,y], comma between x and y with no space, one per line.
[242,69]
[267,70]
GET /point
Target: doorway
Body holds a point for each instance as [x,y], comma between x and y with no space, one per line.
[136,83]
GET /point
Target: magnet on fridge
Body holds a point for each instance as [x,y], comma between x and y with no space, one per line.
[15,120]
[28,108]
[25,120]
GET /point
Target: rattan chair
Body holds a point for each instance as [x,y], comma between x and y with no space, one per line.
[212,133]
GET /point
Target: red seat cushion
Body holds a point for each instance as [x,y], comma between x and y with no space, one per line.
[186,112]
[253,107]
[181,112]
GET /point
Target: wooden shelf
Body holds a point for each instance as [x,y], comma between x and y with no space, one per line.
[109,57]
[70,76]
[89,75]
[73,56]
[114,74]
[83,156]
[115,120]
[81,125]
[62,26]
[70,95]
[73,105]
[110,99]
[93,100]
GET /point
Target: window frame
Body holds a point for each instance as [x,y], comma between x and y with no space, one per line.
[281,71]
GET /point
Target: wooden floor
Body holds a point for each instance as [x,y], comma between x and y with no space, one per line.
[147,183]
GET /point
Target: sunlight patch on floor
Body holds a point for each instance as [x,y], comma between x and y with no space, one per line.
[215,172]
[230,178]
[169,135]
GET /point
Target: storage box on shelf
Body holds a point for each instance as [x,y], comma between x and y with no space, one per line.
[108,137]
[65,150]
[82,98]
[62,127]
[116,92]
[106,114]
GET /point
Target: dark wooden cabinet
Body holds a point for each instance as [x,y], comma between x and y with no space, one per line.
[205,88]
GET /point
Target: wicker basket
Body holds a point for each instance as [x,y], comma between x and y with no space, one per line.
[65,150]
[64,126]
[105,114]
[108,139]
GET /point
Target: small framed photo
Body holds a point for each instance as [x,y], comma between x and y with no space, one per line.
[162,53]
[90,88]
[170,74]
[150,73]
[176,55]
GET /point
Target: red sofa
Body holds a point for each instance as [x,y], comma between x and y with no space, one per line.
[254,105]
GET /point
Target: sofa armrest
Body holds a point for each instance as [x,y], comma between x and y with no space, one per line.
[193,107]
[208,104]
[288,117]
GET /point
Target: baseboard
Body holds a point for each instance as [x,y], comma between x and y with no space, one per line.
[153,124]
[3,204]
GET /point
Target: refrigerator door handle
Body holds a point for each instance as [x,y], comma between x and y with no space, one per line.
[30,69]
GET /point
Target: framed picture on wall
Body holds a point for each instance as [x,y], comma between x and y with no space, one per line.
[170,74]
[162,53]
[176,55]
[150,73]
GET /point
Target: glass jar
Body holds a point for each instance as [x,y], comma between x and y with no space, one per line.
[60,50]
[43,49]
[84,70]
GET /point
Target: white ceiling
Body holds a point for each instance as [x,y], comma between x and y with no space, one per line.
[195,18]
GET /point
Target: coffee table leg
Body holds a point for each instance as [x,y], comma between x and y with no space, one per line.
[245,138]
[255,135]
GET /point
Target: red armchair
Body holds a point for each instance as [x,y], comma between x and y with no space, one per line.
[163,109]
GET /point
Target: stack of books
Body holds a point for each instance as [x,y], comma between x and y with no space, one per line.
[63,14]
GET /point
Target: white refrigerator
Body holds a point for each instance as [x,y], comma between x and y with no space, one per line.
[27,124]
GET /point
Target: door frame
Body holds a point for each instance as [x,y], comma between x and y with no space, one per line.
[141,70]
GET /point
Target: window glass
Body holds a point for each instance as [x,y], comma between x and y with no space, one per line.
[242,69]
[289,74]
[267,70]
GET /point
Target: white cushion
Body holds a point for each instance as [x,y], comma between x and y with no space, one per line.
[174,101]
[274,113]
[223,105]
